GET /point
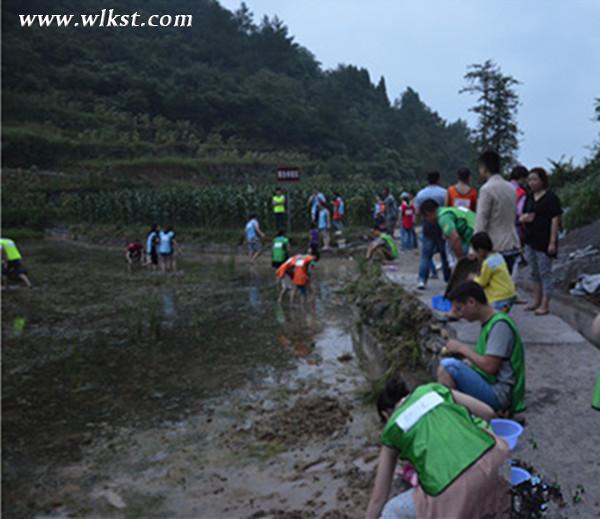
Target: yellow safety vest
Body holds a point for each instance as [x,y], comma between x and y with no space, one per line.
[10,249]
[279,203]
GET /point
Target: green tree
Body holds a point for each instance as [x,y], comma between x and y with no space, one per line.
[497,106]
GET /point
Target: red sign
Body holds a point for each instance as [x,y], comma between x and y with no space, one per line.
[288,174]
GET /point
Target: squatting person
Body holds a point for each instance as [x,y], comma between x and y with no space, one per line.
[495,373]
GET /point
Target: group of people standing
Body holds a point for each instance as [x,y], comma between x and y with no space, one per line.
[506,219]
[158,251]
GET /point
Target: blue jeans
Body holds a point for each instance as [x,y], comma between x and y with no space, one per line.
[470,382]
[408,238]
[428,248]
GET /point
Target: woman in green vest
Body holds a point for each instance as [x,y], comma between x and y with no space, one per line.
[444,435]
[11,261]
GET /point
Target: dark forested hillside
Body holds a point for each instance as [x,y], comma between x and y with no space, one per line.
[229,90]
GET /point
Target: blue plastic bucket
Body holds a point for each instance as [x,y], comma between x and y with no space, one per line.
[440,303]
[508,430]
[518,476]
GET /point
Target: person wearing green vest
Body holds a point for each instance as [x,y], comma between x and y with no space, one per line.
[445,436]
[457,224]
[383,247]
[278,203]
[11,261]
[280,250]
[496,374]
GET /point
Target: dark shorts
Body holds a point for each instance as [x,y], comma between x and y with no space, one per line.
[314,250]
[166,254]
[277,264]
[301,289]
[13,268]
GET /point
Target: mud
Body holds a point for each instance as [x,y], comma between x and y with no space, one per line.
[193,395]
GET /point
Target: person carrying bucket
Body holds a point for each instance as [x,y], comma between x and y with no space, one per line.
[496,370]
[445,436]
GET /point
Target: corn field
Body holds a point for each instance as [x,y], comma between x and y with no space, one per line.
[226,206]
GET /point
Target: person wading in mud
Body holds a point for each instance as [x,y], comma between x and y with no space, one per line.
[11,262]
[302,277]
[456,455]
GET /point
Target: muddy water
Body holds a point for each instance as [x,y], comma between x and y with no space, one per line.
[194,395]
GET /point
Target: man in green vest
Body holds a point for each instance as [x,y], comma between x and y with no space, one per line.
[278,203]
[496,370]
[383,247]
[11,261]
[457,224]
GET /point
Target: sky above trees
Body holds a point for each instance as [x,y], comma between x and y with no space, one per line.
[551,46]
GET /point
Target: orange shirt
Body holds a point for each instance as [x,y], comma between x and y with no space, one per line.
[457,199]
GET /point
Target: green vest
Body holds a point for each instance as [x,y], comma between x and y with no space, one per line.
[10,249]
[517,359]
[463,221]
[279,203]
[280,247]
[596,397]
[390,243]
[439,437]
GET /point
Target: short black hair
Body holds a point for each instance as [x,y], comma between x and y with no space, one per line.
[490,160]
[466,290]
[482,241]
[433,177]
[464,174]
[519,172]
[394,391]
[281,232]
[429,206]
[252,216]
[543,176]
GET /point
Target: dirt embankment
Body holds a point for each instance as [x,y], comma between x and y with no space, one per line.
[406,331]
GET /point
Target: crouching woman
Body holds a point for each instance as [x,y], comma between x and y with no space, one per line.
[444,435]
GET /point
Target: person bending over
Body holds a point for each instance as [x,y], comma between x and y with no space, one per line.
[494,371]
[455,454]
[457,224]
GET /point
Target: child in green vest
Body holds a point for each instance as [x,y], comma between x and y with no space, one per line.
[455,454]
[496,370]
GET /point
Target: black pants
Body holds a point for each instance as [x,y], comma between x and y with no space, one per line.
[280,223]
[510,257]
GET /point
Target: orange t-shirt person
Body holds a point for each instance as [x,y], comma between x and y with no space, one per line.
[462,194]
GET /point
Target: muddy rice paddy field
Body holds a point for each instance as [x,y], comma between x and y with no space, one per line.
[188,395]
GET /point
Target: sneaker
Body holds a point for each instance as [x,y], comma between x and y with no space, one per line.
[421,285]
